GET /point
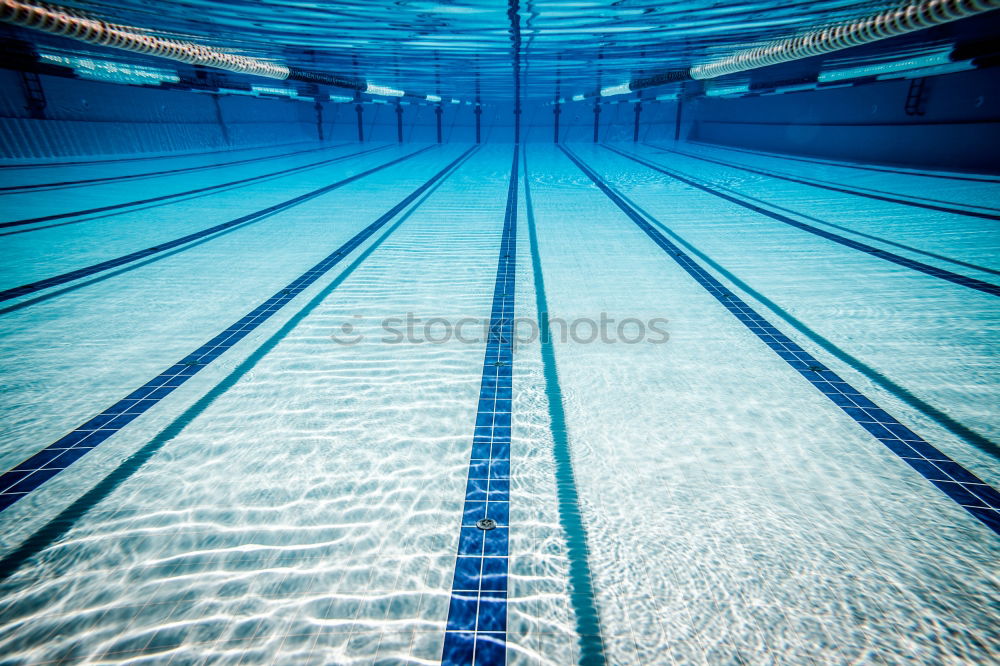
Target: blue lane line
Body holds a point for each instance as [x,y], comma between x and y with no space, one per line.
[175,195]
[879,195]
[942,419]
[851,165]
[476,632]
[144,158]
[855,232]
[12,189]
[62,453]
[958,483]
[56,528]
[23,290]
[972,283]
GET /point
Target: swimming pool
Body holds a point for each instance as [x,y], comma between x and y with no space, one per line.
[312,399]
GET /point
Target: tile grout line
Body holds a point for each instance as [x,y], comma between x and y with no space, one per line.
[476,629]
[959,484]
[56,457]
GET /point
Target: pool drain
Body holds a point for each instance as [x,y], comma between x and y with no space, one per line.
[486,524]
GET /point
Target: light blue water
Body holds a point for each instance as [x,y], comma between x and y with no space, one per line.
[338,401]
[298,500]
[463,48]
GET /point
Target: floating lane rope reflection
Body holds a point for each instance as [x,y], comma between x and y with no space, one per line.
[581,582]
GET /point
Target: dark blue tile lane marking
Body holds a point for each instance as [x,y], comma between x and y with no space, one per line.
[972,283]
[855,232]
[16,292]
[12,189]
[146,158]
[57,527]
[958,483]
[879,195]
[963,432]
[476,632]
[851,165]
[56,457]
[175,195]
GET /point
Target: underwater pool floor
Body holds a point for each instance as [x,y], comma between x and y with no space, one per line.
[291,405]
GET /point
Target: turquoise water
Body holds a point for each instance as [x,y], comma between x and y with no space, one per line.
[277,391]
[463,48]
[298,500]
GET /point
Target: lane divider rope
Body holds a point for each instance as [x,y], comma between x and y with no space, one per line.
[73,24]
[69,23]
[892,22]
